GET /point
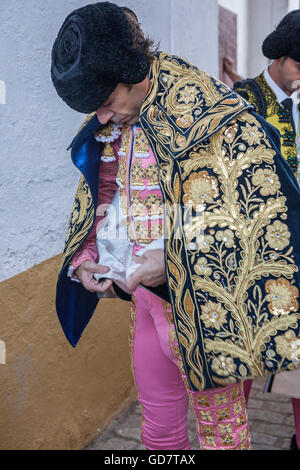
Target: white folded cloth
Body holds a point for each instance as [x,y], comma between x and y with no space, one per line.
[114,247]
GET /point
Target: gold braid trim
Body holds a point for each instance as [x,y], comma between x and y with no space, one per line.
[81,220]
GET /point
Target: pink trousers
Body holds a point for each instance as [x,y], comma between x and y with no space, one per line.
[164,395]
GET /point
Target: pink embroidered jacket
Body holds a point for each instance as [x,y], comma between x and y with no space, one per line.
[129,165]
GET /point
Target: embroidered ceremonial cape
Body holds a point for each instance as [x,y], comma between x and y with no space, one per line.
[235,293]
[258,92]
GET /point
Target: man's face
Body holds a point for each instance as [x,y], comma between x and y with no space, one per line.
[288,74]
[124,104]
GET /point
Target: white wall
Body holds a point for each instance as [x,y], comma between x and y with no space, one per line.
[194,32]
[264,16]
[294,5]
[188,28]
[37,178]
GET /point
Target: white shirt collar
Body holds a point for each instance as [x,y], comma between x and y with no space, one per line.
[280,94]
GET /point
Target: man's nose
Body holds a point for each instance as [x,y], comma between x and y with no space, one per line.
[104,115]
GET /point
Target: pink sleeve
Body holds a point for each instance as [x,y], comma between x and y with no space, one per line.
[106,190]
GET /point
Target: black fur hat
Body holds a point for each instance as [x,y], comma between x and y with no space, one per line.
[285,40]
[92,54]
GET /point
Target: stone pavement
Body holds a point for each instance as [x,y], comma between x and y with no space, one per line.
[271,423]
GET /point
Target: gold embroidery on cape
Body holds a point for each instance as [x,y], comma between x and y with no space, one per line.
[177,275]
[82,214]
[236,330]
[250,219]
[81,221]
[190,108]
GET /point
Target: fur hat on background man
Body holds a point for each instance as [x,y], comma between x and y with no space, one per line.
[92,54]
[285,40]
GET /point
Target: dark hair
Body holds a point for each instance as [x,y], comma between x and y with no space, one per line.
[143,44]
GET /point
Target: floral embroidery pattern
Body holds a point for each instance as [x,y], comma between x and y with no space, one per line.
[228,441]
[267,180]
[282,297]
[223,413]
[220,399]
[202,268]
[225,428]
[242,262]
[203,400]
[288,346]
[278,235]
[207,243]
[206,416]
[227,237]
[213,315]
[210,441]
[240,421]
[188,94]
[223,366]
[251,135]
[200,188]
[233,342]
[237,407]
